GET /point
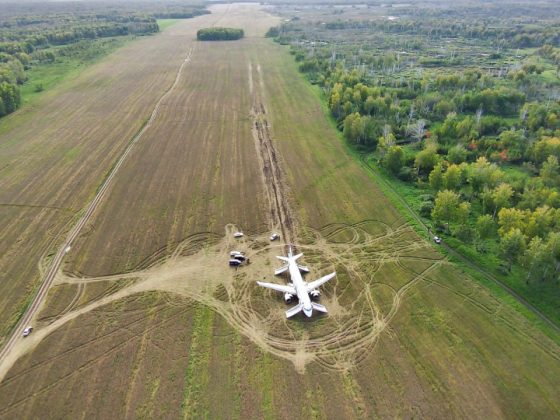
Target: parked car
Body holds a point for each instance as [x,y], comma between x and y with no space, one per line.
[437,240]
[234,262]
[238,235]
[27,331]
[274,236]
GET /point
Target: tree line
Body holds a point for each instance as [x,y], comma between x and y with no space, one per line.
[219,34]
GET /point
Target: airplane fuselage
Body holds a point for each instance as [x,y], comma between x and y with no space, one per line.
[298,287]
[301,287]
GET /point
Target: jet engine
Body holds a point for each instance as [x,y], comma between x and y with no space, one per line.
[288,297]
[314,294]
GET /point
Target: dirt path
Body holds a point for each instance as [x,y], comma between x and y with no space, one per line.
[54,267]
[281,216]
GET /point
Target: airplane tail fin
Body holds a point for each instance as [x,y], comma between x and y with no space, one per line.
[303,268]
[319,307]
[281,270]
[294,310]
[289,258]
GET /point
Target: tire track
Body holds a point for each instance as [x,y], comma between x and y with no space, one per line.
[281,214]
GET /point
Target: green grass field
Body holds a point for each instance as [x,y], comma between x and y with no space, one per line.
[166,23]
[43,77]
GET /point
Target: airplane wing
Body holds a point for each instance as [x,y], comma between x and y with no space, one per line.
[294,310]
[314,284]
[281,270]
[278,287]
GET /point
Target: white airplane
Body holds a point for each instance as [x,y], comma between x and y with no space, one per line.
[298,287]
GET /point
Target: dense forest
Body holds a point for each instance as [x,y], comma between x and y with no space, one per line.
[29,33]
[459,107]
[219,34]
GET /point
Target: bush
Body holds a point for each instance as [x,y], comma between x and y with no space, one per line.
[406,174]
[273,32]
[426,208]
[463,233]
[219,34]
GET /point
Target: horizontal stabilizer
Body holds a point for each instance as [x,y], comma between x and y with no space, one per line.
[318,307]
[303,268]
[285,259]
[317,283]
[294,310]
[281,270]
[278,287]
[296,257]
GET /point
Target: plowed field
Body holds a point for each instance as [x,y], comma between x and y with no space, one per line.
[147,320]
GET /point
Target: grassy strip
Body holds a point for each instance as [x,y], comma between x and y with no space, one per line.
[163,24]
[196,375]
[44,76]
[266,385]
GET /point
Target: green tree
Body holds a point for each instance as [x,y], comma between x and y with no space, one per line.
[466,129]
[553,243]
[483,174]
[426,159]
[394,159]
[550,172]
[353,127]
[539,259]
[510,219]
[436,177]
[453,177]
[540,221]
[514,142]
[485,226]
[457,154]
[501,197]
[512,245]
[545,147]
[387,140]
[446,207]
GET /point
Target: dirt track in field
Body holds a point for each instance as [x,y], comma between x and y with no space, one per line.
[281,216]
